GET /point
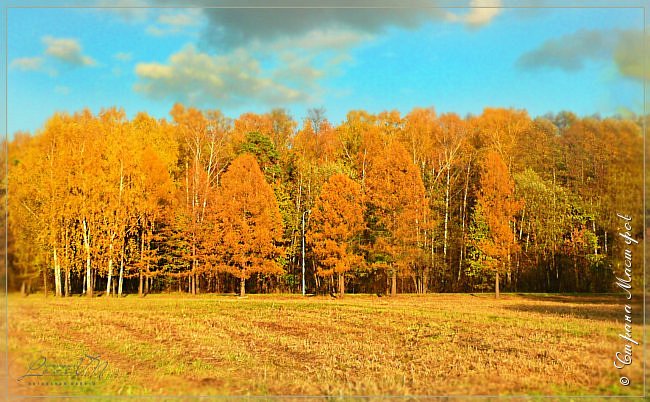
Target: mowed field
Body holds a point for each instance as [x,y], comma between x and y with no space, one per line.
[358,345]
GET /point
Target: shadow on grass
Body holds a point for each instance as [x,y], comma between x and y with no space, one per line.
[573,298]
[601,312]
[605,307]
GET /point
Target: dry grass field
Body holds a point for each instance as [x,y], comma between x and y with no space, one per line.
[359,345]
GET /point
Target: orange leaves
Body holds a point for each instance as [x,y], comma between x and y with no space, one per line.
[247,222]
[317,144]
[277,125]
[419,134]
[396,194]
[337,219]
[579,242]
[500,129]
[498,205]
[395,187]
[101,187]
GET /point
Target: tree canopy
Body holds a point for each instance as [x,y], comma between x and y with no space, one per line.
[200,202]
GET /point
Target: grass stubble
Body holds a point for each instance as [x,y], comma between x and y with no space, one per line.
[443,344]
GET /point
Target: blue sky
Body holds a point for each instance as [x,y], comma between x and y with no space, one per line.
[456,60]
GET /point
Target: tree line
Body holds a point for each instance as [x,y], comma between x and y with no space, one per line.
[381,203]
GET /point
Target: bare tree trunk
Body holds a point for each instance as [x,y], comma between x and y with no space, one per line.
[86,237]
[496,284]
[593,225]
[517,272]
[575,272]
[423,284]
[67,282]
[141,286]
[242,287]
[521,223]
[341,284]
[432,255]
[393,287]
[57,274]
[66,274]
[121,280]
[45,281]
[110,269]
[463,218]
[446,234]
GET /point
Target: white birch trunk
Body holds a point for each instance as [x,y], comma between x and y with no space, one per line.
[86,237]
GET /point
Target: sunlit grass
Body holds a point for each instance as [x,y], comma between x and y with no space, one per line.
[359,345]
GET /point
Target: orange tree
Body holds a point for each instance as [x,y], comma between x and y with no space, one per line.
[497,206]
[337,221]
[397,207]
[248,223]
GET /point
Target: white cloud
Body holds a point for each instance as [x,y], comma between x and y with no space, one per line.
[240,26]
[235,27]
[482,12]
[67,50]
[481,16]
[298,69]
[199,78]
[27,64]
[321,40]
[186,18]
[572,52]
[130,11]
[289,69]
[278,56]
[36,63]
[156,71]
[175,22]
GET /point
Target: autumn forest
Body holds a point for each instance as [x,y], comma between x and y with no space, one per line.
[387,203]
